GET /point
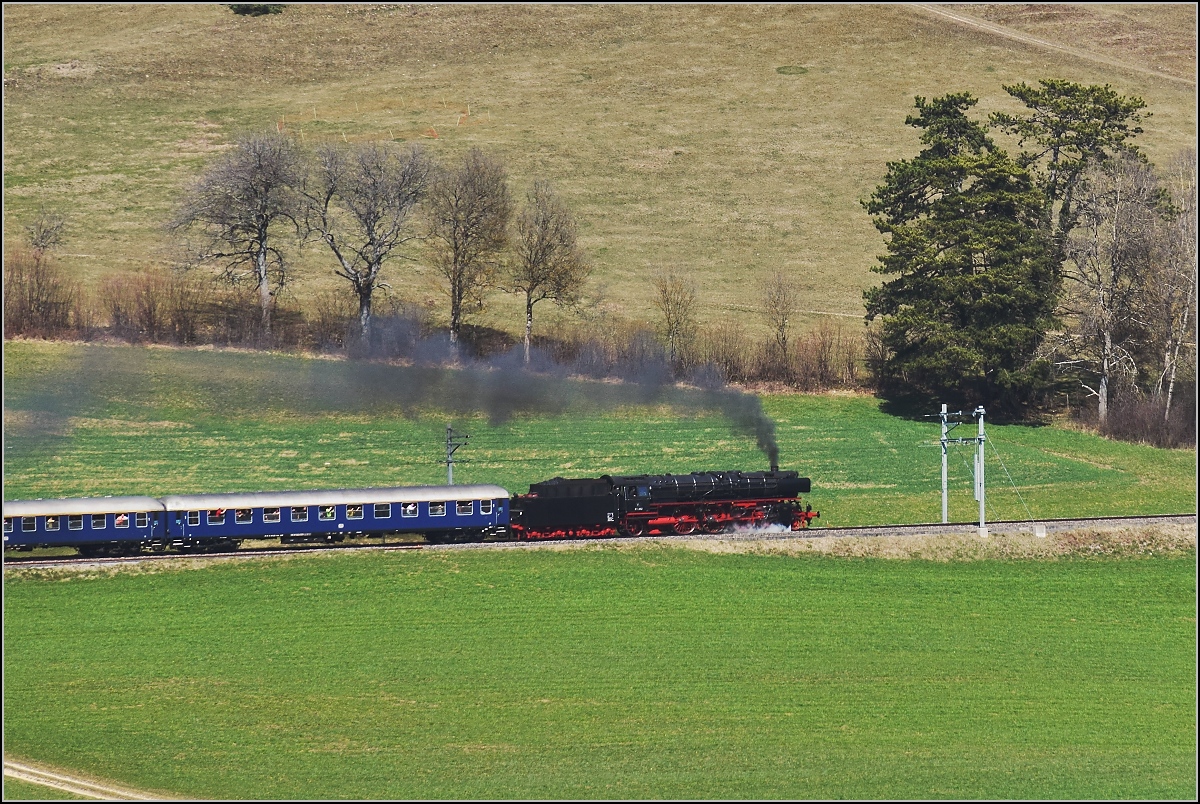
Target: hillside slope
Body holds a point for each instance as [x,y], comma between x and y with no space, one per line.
[672,131]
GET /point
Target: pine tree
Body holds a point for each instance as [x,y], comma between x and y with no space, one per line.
[973,288]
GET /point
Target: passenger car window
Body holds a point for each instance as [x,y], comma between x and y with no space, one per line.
[437,509]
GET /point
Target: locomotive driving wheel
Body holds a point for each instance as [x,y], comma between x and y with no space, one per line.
[685,527]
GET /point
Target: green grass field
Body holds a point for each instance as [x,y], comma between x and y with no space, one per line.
[18,790]
[730,140]
[637,673]
[680,135]
[87,421]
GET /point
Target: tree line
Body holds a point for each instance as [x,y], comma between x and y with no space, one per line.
[1015,281]
[368,203]
[1063,276]
[373,208]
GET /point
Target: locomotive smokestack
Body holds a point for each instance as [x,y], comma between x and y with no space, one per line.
[774,466]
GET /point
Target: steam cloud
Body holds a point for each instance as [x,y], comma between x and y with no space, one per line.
[500,388]
[505,385]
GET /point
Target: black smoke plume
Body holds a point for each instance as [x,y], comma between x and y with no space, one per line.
[433,376]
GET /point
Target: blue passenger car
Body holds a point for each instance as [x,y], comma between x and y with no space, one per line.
[84,522]
[439,512]
[121,525]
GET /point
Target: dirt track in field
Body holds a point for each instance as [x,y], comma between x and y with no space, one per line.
[76,785]
[1020,36]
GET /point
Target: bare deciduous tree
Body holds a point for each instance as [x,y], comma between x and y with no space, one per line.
[469,211]
[46,231]
[359,204]
[240,203]
[1173,289]
[1109,263]
[549,264]
[675,298]
[779,306]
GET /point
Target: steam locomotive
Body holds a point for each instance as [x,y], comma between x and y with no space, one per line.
[638,505]
[560,508]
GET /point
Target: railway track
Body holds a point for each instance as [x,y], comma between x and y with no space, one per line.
[1000,528]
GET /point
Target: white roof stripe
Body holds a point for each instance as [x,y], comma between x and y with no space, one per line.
[281,499]
[251,499]
[82,505]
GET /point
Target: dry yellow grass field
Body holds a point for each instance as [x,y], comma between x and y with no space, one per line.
[676,133]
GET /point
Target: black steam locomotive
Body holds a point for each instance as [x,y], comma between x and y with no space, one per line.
[639,505]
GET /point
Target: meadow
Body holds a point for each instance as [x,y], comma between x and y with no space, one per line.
[19,790]
[726,141]
[95,420]
[644,672]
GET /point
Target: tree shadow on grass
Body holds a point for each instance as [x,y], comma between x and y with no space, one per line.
[917,406]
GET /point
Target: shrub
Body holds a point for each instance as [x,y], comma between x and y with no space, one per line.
[726,347]
[1133,416]
[39,298]
[334,320]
